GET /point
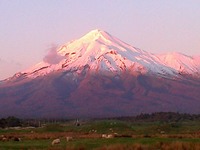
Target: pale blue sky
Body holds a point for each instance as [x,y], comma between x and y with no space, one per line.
[29,27]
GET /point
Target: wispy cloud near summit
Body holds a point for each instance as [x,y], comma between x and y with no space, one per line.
[52,56]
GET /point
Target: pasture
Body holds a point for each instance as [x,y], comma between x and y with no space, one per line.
[125,135]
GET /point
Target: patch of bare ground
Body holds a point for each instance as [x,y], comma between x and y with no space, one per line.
[36,136]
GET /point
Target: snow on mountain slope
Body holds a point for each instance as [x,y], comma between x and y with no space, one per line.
[103,52]
[182,63]
[67,87]
[197,62]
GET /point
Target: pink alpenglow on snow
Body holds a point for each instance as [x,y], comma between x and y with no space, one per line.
[102,74]
[104,52]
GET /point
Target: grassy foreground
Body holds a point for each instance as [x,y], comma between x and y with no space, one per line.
[128,136]
[100,144]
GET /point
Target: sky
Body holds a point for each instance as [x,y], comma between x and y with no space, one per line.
[28,28]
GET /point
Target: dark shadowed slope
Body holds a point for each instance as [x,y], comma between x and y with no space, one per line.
[101,76]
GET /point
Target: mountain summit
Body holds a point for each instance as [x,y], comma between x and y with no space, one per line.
[99,75]
[97,34]
[103,52]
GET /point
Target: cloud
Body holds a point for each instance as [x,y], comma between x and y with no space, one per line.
[52,56]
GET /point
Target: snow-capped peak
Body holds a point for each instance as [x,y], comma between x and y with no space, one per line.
[103,52]
[96,34]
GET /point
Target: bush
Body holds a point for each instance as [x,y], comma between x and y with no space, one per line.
[10,122]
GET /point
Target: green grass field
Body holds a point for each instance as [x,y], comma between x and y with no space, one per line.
[90,143]
[130,135]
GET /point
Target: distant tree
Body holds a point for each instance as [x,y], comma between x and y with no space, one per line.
[3,123]
[10,122]
[13,121]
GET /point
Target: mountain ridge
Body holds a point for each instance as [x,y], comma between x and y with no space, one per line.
[100,76]
[102,51]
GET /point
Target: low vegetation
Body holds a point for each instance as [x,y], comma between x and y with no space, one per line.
[10,122]
[144,132]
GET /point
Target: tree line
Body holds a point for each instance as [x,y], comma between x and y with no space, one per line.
[143,117]
[163,117]
[10,122]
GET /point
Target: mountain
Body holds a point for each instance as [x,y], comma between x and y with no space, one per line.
[98,75]
[182,63]
[103,52]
